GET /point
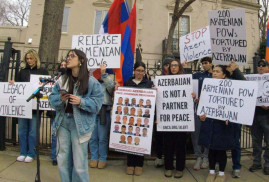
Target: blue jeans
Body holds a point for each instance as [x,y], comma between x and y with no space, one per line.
[260,129]
[73,156]
[27,135]
[195,138]
[99,139]
[53,143]
[236,152]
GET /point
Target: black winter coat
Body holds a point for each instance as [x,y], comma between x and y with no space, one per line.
[216,135]
[145,83]
[24,74]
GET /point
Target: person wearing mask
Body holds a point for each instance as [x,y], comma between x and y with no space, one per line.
[27,127]
[99,139]
[135,162]
[217,136]
[260,130]
[76,98]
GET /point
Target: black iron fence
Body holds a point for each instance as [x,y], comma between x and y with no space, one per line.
[10,61]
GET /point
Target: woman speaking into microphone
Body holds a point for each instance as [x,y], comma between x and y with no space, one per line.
[77,98]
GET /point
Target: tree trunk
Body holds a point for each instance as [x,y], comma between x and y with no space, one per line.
[177,14]
[51,30]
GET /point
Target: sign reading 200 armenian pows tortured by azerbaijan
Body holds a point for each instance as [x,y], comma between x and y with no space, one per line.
[231,100]
[195,45]
[99,49]
[44,102]
[13,100]
[263,88]
[132,120]
[174,103]
[228,36]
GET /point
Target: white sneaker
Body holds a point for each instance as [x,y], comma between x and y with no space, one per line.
[204,164]
[21,158]
[159,162]
[28,159]
[197,164]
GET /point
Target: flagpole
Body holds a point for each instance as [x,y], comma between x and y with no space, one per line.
[126,5]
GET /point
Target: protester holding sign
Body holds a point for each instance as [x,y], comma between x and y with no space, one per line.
[77,98]
[174,141]
[135,162]
[99,139]
[27,127]
[217,136]
[260,129]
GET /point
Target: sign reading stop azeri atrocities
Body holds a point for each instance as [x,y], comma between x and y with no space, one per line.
[132,120]
[44,102]
[263,87]
[230,100]
[228,36]
[195,45]
[174,103]
[99,49]
[13,100]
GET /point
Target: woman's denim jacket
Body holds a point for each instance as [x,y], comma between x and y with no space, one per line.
[84,114]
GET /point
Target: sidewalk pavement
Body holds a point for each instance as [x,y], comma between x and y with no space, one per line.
[13,171]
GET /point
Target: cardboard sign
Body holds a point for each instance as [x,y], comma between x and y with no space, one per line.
[44,102]
[99,49]
[13,100]
[132,120]
[231,100]
[228,36]
[263,87]
[195,45]
[174,103]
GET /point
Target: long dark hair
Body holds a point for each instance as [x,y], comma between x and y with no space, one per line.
[180,71]
[139,63]
[83,75]
[224,70]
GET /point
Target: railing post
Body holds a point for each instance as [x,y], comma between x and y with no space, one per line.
[256,59]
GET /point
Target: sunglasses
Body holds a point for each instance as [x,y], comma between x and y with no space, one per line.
[261,65]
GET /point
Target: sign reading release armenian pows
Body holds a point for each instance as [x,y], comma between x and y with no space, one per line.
[230,100]
[132,120]
[13,100]
[195,45]
[228,36]
[174,103]
[44,102]
[99,49]
[263,88]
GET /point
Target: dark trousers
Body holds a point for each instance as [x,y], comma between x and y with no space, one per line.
[236,152]
[219,156]
[135,160]
[158,137]
[174,142]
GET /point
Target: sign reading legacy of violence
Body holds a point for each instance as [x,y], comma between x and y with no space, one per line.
[13,100]
[228,36]
[132,120]
[174,103]
[195,45]
[230,100]
[99,49]
[263,87]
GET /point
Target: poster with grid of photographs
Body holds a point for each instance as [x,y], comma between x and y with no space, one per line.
[132,120]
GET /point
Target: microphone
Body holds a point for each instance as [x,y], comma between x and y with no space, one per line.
[53,77]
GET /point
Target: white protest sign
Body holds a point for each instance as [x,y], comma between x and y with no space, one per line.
[263,88]
[174,103]
[132,120]
[195,45]
[44,102]
[99,49]
[13,100]
[228,36]
[231,100]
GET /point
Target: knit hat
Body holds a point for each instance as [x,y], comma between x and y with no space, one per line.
[263,61]
[168,60]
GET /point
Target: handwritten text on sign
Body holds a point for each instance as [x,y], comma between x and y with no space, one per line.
[228,100]
[174,103]
[228,36]
[195,45]
[13,100]
[263,88]
[99,49]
